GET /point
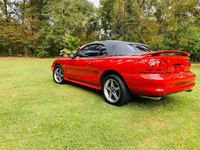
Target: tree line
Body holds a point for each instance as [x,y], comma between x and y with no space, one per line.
[42,28]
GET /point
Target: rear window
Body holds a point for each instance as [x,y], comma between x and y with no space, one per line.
[139,49]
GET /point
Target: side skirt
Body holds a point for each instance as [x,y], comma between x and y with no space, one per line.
[83,83]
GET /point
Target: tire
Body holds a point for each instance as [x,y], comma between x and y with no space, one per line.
[115,90]
[58,74]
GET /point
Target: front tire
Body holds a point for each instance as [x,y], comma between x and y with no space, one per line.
[58,74]
[115,90]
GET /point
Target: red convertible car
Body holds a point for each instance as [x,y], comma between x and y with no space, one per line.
[121,68]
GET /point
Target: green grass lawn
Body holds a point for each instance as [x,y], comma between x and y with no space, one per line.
[37,113]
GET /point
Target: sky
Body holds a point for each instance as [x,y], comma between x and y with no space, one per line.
[95,2]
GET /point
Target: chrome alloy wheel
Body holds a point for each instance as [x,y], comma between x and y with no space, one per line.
[58,75]
[112,90]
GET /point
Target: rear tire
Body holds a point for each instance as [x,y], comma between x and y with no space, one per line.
[115,90]
[58,74]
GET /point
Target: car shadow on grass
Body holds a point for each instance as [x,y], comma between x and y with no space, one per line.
[85,88]
[167,101]
[136,99]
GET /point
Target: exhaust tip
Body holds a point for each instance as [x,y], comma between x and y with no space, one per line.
[189,90]
[151,97]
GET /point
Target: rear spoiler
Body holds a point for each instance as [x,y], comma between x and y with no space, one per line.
[158,53]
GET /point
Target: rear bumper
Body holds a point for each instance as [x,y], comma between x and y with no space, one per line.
[160,84]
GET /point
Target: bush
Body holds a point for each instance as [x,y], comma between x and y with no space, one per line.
[43,54]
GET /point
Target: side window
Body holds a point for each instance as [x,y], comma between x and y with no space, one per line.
[103,51]
[82,52]
[92,51]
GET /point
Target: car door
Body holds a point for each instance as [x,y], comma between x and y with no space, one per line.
[82,68]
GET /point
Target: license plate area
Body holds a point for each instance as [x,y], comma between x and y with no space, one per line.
[178,67]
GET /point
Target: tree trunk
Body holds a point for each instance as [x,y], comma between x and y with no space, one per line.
[26,51]
[23,10]
[6,9]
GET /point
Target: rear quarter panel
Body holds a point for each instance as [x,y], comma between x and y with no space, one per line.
[121,64]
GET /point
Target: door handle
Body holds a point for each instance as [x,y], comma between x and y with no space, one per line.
[89,64]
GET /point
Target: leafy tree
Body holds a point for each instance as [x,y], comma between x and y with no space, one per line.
[177,24]
[193,46]
[67,17]
[128,20]
[106,17]
[20,38]
[19,31]
[4,4]
[162,24]
[71,44]
[44,27]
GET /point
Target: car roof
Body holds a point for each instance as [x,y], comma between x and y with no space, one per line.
[115,48]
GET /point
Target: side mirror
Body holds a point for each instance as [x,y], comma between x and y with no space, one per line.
[72,56]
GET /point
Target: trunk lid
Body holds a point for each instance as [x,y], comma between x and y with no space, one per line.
[170,61]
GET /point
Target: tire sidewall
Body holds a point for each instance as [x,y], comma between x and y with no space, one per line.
[124,92]
[58,66]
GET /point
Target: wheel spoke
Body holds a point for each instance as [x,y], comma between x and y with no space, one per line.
[115,95]
[112,90]
[58,75]
[117,88]
[110,94]
[108,88]
[112,83]
[61,73]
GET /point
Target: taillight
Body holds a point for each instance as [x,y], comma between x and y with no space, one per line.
[157,66]
[188,66]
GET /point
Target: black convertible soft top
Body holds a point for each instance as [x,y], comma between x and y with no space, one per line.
[115,48]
